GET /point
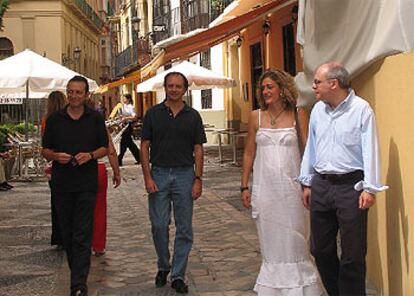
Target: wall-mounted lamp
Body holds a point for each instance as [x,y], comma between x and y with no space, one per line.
[295,11]
[239,41]
[266,27]
[76,53]
[135,24]
[67,60]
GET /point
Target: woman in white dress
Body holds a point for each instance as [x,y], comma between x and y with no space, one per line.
[272,150]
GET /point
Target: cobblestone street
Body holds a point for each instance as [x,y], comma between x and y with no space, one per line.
[224,260]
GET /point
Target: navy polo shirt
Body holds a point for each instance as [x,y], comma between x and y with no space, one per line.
[172,139]
[64,134]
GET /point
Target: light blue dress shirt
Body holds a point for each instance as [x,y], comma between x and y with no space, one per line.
[341,141]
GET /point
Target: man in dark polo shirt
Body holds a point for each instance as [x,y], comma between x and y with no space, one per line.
[74,138]
[173,135]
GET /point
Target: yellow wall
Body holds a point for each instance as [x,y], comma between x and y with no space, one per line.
[217,119]
[389,87]
[233,96]
[53,29]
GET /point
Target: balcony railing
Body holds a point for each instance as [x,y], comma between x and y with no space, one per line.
[217,8]
[198,21]
[162,20]
[88,13]
[133,57]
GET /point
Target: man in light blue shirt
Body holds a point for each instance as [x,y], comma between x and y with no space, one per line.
[340,173]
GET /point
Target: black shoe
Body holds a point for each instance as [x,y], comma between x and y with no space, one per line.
[161,278]
[6,185]
[2,188]
[179,286]
[59,247]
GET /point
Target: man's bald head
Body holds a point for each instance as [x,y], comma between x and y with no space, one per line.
[335,70]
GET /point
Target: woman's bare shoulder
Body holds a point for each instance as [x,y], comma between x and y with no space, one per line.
[254,113]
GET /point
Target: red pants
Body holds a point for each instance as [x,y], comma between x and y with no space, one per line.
[99,223]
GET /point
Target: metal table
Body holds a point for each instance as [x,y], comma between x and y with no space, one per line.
[19,146]
[234,135]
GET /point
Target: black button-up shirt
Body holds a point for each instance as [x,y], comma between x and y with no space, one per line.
[172,138]
[64,134]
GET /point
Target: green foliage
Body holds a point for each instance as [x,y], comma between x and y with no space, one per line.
[21,128]
[217,7]
[4,4]
[3,140]
[12,129]
[7,128]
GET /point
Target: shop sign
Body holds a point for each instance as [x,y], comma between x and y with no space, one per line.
[10,101]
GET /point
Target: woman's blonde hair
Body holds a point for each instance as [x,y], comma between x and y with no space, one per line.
[55,101]
[288,89]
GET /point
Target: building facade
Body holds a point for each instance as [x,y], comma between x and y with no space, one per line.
[67,32]
[176,20]
[130,29]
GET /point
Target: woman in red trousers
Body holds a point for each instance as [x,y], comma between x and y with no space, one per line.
[99,223]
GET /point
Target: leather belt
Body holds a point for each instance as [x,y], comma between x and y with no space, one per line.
[339,178]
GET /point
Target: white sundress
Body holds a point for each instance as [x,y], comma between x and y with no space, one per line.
[282,221]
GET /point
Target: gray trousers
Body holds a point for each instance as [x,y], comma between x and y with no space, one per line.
[335,206]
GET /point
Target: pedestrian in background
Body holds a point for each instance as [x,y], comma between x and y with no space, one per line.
[55,101]
[100,217]
[101,108]
[128,116]
[4,185]
[74,138]
[273,150]
[174,135]
[340,173]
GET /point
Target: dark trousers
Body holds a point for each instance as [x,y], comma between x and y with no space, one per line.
[127,142]
[335,206]
[56,238]
[75,211]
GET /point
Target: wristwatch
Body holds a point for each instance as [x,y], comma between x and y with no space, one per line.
[244,188]
[198,178]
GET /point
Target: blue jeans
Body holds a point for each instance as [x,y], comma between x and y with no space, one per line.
[174,189]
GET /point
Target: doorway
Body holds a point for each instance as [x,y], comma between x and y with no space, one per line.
[257,70]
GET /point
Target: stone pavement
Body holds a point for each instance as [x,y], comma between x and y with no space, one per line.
[224,261]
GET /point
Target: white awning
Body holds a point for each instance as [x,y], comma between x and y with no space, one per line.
[355,33]
[198,78]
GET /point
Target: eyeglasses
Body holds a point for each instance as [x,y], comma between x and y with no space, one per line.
[317,82]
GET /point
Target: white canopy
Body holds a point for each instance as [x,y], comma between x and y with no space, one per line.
[40,74]
[198,78]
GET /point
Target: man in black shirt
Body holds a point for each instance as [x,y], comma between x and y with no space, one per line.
[74,138]
[175,134]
